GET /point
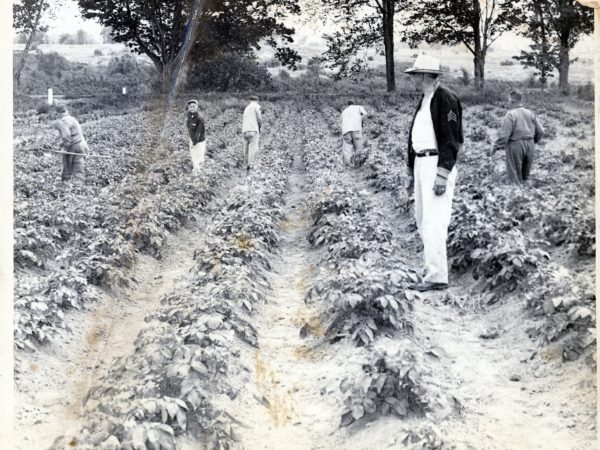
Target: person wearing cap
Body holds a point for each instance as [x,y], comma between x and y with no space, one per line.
[519,133]
[251,127]
[352,121]
[195,126]
[72,141]
[434,141]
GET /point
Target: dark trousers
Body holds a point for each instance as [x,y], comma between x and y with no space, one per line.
[73,165]
[519,159]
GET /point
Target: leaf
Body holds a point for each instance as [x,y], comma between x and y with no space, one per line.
[580,313]
[214,321]
[397,405]
[181,419]
[357,411]
[369,405]
[371,323]
[438,352]
[199,367]
[347,419]
[381,381]
[363,337]
[172,409]
[548,306]
[345,385]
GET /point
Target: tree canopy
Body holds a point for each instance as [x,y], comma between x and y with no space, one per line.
[170,32]
[476,24]
[361,24]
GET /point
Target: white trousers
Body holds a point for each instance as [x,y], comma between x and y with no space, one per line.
[197,153]
[433,217]
[250,147]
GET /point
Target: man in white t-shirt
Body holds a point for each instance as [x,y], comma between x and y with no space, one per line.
[351,121]
[251,127]
[434,140]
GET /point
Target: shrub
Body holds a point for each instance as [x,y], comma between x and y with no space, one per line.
[284,74]
[125,64]
[52,63]
[98,52]
[232,71]
[43,109]
[586,92]
[272,63]
[507,62]
[465,76]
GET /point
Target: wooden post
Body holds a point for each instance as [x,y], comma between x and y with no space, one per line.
[50,96]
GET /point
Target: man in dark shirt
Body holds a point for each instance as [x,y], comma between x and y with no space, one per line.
[520,131]
[434,140]
[195,126]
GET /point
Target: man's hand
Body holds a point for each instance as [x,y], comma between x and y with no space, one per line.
[439,186]
[410,184]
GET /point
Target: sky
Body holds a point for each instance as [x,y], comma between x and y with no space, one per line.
[68,20]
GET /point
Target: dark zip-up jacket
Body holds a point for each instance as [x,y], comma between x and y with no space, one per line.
[195,126]
[446,114]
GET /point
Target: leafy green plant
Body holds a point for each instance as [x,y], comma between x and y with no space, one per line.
[384,389]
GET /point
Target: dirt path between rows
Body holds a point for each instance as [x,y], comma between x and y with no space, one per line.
[52,383]
[285,403]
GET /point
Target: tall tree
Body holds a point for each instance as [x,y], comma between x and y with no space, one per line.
[476,24]
[361,24]
[167,31]
[543,54]
[27,20]
[567,21]
[82,37]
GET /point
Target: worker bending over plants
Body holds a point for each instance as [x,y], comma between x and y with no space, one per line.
[519,133]
[73,142]
[352,121]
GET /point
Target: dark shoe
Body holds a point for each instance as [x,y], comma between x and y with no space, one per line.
[425,286]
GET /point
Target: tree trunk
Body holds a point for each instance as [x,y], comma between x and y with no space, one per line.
[479,66]
[388,42]
[563,69]
[36,23]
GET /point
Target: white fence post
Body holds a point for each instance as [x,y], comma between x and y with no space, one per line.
[124,90]
[50,96]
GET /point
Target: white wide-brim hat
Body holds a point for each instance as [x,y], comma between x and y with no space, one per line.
[425,64]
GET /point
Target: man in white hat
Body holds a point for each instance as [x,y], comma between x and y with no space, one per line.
[433,143]
[251,127]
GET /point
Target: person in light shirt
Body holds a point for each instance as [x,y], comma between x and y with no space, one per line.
[519,133]
[251,127]
[352,121]
[73,143]
[433,144]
